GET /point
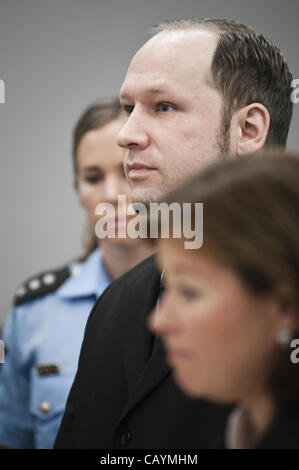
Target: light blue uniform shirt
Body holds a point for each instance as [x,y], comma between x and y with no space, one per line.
[46,330]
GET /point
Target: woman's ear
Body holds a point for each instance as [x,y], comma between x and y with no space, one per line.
[249,129]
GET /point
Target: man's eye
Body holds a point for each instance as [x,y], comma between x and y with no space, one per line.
[164,107]
[128,109]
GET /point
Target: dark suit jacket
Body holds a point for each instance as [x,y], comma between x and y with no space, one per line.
[283,434]
[123,394]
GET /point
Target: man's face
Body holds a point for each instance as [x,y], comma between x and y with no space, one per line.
[174,116]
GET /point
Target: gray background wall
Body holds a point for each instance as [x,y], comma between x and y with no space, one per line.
[57,56]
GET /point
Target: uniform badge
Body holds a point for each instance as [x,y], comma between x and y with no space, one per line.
[46,369]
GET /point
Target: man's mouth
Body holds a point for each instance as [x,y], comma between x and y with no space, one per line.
[138,170]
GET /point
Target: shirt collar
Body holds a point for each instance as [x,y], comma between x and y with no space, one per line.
[87,278]
[239,433]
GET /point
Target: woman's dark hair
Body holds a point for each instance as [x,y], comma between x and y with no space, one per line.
[251,224]
[95,116]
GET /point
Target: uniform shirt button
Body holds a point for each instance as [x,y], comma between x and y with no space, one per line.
[125,439]
[76,271]
[44,406]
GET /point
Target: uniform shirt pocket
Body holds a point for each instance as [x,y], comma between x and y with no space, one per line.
[47,404]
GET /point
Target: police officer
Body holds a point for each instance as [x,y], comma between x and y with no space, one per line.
[44,331]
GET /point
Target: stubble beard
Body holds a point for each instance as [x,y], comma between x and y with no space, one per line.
[149,196]
[222,151]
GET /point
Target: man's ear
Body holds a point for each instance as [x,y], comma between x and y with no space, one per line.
[249,129]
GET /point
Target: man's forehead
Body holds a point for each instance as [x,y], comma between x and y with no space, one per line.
[172,55]
[153,88]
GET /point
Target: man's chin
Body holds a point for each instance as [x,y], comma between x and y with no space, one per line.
[145,196]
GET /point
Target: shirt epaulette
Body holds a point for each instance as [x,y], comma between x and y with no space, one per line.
[41,284]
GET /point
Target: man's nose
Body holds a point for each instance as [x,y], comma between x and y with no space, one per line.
[134,132]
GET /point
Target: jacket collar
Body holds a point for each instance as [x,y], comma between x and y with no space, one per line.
[145,366]
[87,279]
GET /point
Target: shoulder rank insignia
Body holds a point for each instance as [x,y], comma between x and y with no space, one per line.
[41,284]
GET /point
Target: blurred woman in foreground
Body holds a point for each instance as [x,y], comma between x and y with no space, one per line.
[44,331]
[230,315]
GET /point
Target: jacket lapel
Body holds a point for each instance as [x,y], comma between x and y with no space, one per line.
[144,369]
